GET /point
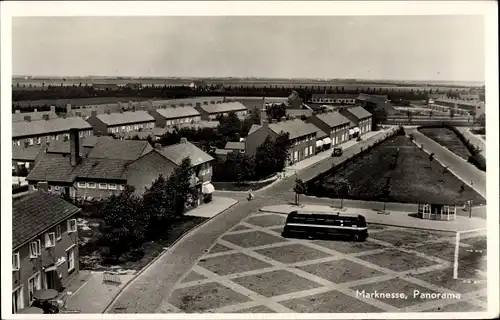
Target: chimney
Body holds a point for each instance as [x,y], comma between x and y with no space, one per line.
[183,140]
[274,121]
[27,118]
[157,145]
[283,119]
[45,117]
[68,108]
[130,104]
[18,111]
[265,124]
[108,111]
[198,104]
[121,110]
[53,109]
[263,115]
[43,186]
[74,147]
[35,110]
[93,113]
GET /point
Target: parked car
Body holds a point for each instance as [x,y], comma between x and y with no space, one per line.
[337,152]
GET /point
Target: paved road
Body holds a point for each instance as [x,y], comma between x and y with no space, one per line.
[467,172]
[149,292]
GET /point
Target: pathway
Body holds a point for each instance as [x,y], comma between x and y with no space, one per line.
[213,208]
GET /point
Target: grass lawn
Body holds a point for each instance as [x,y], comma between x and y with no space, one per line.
[412,180]
[91,259]
[448,139]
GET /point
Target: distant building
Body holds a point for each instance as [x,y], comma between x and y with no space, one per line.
[198,84]
[127,121]
[334,98]
[105,87]
[134,86]
[294,100]
[44,245]
[173,116]
[213,110]
[334,124]
[360,118]
[19,116]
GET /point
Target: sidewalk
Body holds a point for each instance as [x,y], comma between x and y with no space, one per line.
[213,208]
[395,218]
[93,296]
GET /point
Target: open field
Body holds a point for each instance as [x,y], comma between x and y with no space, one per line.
[252,268]
[413,179]
[448,139]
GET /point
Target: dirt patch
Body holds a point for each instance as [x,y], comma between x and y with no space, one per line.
[412,177]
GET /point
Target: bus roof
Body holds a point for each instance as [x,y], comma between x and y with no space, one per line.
[336,214]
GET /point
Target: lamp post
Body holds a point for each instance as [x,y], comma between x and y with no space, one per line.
[470,208]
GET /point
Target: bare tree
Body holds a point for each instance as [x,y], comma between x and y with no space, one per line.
[343,189]
[299,188]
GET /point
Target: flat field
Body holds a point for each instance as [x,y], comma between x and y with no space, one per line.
[413,179]
[448,139]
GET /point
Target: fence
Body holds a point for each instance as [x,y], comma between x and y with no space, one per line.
[111,277]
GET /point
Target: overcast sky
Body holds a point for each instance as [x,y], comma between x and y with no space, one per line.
[377,47]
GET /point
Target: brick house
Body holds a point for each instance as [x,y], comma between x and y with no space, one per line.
[175,116]
[34,133]
[44,246]
[302,136]
[118,122]
[210,111]
[19,116]
[360,118]
[334,124]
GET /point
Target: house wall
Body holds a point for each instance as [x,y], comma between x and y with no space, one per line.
[298,150]
[130,127]
[142,172]
[31,266]
[254,140]
[46,137]
[339,134]
[98,126]
[85,189]
[163,122]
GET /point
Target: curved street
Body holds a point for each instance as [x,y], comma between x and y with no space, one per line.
[149,291]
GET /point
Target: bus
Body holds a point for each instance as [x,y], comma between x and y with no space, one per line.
[326,223]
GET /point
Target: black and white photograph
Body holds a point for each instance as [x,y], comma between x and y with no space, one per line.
[250,159]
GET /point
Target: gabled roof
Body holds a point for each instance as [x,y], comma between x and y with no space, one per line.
[119,149]
[223,107]
[126,117]
[299,112]
[199,125]
[53,168]
[254,128]
[320,134]
[19,117]
[25,154]
[41,127]
[333,119]
[58,146]
[359,112]
[235,145]
[178,112]
[295,128]
[177,152]
[37,212]
[103,169]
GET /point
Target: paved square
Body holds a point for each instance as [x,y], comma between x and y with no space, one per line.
[240,227]
[329,302]
[232,263]
[458,307]
[267,220]
[276,283]
[340,271]
[409,238]
[397,261]
[292,253]
[252,239]
[193,276]
[219,248]
[443,250]
[257,309]
[204,297]
[348,246]
[444,279]
[394,286]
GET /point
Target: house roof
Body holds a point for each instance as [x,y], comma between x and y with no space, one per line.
[359,112]
[37,212]
[126,117]
[223,107]
[295,128]
[59,146]
[41,127]
[372,98]
[19,117]
[334,95]
[103,169]
[199,125]
[119,149]
[254,128]
[177,152]
[178,112]
[333,119]
[222,152]
[53,168]
[320,134]
[299,112]
[293,95]
[25,154]
[235,145]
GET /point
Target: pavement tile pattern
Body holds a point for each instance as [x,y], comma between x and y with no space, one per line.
[253,269]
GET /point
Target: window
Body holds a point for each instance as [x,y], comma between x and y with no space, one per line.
[91,185]
[71,225]
[122,187]
[35,249]
[50,240]
[30,141]
[38,140]
[50,188]
[17,300]
[103,185]
[311,150]
[70,257]
[112,186]
[58,232]
[306,152]
[56,188]
[34,284]
[18,143]
[15,261]
[82,185]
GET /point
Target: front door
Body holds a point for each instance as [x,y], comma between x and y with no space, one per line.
[50,279]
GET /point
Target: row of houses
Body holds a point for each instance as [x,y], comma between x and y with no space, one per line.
[48,127]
